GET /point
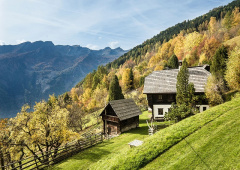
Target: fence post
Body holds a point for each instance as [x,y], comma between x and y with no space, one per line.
[35,159]
[1,160]
[91,140]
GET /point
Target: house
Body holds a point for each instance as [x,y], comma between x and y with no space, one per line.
[120,116]
[160,87]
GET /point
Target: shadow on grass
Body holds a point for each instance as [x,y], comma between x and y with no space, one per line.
[91,154]
[143,130]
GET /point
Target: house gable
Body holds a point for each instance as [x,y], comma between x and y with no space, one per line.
[119,116]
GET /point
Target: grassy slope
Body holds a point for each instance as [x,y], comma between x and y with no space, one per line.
[217,144]
[106,150]
[162,141]
[222,121]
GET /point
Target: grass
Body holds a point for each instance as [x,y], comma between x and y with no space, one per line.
[215,146]
[163,140]
[212,134]
[92,157]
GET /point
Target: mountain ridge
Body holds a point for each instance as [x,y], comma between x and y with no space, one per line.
[30,71]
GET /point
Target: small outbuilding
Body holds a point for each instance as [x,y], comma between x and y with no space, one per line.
[120,116]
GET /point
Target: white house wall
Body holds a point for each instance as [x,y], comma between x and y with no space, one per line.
[202,106]
[166,109]
[156,107]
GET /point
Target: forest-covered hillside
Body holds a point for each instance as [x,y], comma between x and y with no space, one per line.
[198,41]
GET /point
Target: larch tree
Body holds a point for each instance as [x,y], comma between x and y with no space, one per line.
[126,81]
[115,91]
[233,70]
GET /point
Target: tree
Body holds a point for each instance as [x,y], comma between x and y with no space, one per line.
[42,130]
[77,117]
[182,84]
[214,90]
[126,81]
[220,57]
[212,25]
[173,62]
[115,91]
[233,70]
[185,96]
[228,20]
[67,99]
[131,75]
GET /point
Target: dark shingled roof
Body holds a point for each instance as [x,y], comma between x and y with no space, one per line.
[164,81]
[124,108]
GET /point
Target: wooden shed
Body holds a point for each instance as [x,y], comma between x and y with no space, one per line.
[120,116]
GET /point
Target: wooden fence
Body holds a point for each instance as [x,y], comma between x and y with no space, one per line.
[51,157]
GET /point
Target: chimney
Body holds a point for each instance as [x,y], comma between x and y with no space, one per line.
[206,67]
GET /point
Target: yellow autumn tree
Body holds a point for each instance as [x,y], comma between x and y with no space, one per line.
[126,81]
[192,40]
[236,16]
[212,26]
[179,45]
[41,130]
[233,69]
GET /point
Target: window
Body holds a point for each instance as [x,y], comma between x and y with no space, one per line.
[160,97]
[170,97]
[204,108]
[160,111]
[198,108]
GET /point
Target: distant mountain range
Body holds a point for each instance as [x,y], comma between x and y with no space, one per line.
[29,72]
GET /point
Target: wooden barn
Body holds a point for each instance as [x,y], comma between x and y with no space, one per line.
[120,116]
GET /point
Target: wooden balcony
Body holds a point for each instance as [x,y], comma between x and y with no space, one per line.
[110,118]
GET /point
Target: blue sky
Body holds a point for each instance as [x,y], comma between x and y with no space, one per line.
[95,23]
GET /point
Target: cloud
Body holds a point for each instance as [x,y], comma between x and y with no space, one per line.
[113,44]
[92,47]
[2,42]
[20,41]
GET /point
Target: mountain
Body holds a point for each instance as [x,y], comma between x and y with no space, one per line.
[31,71]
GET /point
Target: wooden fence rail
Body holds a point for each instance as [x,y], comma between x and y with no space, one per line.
[52,157]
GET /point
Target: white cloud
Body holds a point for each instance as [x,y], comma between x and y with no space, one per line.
[91,46]
[113,44]
[20,41]
[2,42]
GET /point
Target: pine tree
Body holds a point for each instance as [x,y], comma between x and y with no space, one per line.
[66,98]
[131,79]
[185,96]
[220,57]
[182,84]
[173,62]
[115,91]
